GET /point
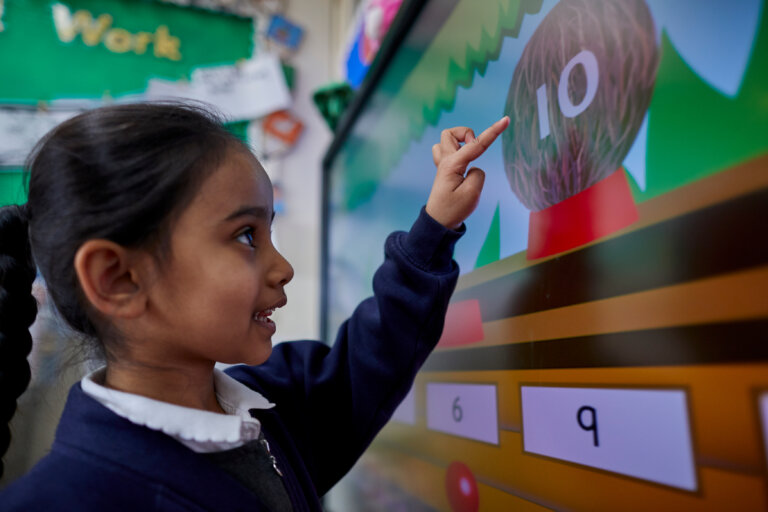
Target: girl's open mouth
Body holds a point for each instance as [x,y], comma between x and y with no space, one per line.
[262,318]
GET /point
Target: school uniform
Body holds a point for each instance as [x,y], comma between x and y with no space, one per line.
[322,406]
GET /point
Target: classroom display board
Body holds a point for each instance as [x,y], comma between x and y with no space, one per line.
[60,57]
[607,345]
[83,49]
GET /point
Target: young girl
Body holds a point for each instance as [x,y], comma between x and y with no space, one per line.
[150,225]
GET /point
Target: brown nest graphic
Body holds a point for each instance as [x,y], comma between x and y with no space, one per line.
[582,150]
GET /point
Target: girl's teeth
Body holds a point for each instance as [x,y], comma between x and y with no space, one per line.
[262,315]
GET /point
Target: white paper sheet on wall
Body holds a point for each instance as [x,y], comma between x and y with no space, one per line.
[20,129]
[249,90]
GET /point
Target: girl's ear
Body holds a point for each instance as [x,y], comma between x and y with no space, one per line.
[109,278]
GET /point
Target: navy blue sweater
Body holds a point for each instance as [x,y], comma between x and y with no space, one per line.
[331,403]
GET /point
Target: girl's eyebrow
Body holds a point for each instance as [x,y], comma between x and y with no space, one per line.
[251,211]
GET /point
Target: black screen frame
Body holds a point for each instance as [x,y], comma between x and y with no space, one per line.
[404,20]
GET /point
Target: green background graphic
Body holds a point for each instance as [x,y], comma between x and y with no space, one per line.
[690,134]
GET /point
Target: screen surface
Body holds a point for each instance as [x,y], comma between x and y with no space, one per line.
[607,344]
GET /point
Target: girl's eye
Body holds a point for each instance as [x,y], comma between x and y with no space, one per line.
[246,237]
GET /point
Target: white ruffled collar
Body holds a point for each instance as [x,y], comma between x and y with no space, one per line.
[201,431]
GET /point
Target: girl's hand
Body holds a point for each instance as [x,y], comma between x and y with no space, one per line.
[455,195]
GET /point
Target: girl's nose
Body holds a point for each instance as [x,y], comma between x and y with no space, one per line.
[281,270]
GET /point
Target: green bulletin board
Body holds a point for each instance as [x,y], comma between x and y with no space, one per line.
[92,49]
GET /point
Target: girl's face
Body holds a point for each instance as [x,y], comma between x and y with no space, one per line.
[213,298]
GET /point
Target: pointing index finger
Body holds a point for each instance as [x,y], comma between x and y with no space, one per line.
[470,151]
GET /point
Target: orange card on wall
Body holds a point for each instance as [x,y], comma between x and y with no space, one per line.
[284,126]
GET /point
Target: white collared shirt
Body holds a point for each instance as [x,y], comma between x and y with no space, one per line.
[200,431]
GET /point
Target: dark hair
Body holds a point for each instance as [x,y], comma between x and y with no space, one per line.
[122,173]
[17,312]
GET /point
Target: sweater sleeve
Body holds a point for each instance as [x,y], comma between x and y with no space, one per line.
[334,400]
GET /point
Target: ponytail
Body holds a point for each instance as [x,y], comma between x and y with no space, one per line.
[18,309]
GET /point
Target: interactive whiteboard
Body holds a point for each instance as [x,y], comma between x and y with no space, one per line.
[607,345]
